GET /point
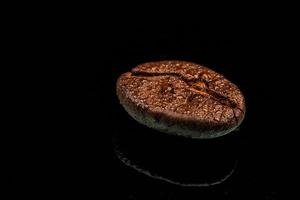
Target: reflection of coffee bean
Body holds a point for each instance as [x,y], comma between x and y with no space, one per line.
[177,160]
[181,98]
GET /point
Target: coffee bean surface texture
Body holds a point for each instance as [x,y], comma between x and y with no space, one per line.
[181,98]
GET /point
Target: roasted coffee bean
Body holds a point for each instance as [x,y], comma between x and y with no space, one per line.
[181,98]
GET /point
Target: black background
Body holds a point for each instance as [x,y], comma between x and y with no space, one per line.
[71,151]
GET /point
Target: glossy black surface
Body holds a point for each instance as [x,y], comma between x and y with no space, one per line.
[177,160]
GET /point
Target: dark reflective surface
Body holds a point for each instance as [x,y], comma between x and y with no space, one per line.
[178,160]
[160,166]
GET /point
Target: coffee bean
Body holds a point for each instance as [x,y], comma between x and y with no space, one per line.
[199,102]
